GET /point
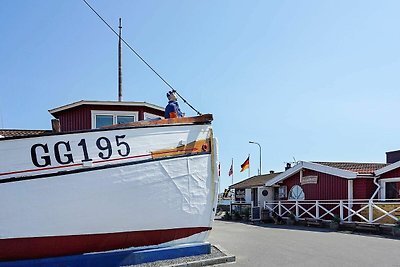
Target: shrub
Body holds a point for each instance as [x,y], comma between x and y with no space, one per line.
[237,216]
[336,219]
[292,216]
[227,216]
[246,213]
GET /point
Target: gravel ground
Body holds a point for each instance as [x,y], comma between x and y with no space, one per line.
[215,253]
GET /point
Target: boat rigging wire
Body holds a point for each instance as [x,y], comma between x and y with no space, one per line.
[142,59]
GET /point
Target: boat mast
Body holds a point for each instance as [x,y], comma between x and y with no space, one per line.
[119,63]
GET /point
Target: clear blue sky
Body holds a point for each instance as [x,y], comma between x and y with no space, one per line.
[314,80]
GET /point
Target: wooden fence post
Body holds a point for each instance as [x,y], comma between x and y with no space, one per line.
[370,212]
[317,209]
[341,210]
[279,208]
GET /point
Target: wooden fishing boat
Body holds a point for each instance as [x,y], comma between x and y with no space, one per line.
[143,184]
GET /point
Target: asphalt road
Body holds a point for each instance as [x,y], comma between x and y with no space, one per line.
[273,245]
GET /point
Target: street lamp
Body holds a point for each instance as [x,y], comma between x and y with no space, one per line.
[251,142]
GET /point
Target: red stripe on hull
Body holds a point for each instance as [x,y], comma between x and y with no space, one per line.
[43,247]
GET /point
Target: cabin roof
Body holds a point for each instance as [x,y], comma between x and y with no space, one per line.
[15,132]
[104,103]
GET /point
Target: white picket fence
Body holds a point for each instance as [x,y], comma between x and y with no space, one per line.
[362,211]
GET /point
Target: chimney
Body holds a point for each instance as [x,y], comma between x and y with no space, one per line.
[271,172]
[288,166]
[392,156]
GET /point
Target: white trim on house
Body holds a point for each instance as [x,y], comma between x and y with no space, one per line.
[394,179]
[94,113]
[382,190]
[387,168]
[350,189]
[312,166]
[105,103]
[284,174]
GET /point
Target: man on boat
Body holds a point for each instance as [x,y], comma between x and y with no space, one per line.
[172,110]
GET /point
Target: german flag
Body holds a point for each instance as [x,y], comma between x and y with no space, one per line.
[246,164]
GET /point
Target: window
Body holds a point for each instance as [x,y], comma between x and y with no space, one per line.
[125,119]
[392,190]
[105,118]
[296,193]
[282,192]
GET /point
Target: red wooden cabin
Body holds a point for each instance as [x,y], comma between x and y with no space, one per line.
[83,115]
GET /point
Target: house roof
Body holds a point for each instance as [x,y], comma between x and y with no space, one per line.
[360,168]
[387,168]
[258,180]
[14,132]
[315,167]
[104,103]
[348,170]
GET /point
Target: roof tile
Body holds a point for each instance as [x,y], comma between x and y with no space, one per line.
[360,168]
[258,180]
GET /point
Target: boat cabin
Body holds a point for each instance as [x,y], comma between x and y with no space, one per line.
[85,115]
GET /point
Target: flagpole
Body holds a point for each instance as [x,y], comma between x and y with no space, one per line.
[233,194]
[232,170]
[249,165]
[219,179]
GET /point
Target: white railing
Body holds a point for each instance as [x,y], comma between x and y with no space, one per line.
[362,211]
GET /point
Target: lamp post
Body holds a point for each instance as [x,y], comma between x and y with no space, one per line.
[251,142]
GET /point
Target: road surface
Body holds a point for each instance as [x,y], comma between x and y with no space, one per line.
[281,245]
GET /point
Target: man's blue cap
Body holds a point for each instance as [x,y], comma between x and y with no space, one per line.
[170,93]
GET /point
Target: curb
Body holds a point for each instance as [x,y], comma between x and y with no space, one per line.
[219,260]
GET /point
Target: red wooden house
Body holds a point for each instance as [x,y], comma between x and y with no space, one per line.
[340,180]
[361,192]
[327,181]
[389,177]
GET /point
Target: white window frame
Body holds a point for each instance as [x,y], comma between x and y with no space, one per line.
[151,116]
[383,182]
[291,189]
[134,114]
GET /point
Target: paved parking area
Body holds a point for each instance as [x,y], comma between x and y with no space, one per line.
[276,245]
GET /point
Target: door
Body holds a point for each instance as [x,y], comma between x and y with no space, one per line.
[254,196]
[256,209]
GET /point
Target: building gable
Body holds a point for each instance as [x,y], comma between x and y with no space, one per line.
[324,187]
[315,167]
[389,170]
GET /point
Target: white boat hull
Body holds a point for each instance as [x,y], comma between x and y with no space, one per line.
[150,197]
